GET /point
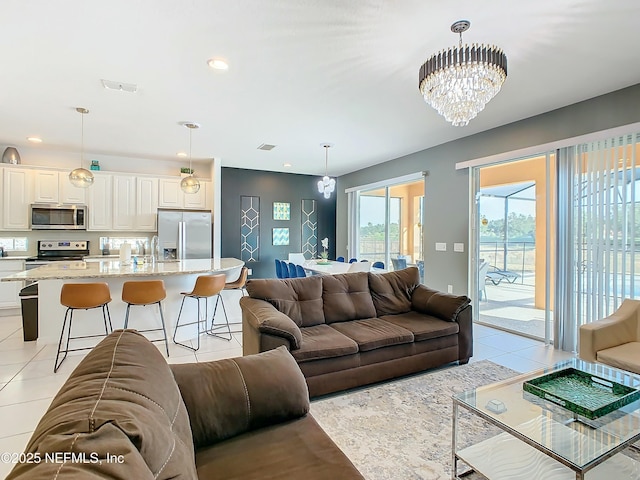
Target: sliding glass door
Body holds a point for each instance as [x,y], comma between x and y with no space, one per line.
[389,224]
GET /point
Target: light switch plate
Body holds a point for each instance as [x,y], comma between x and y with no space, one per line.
[458,247]
[441,247]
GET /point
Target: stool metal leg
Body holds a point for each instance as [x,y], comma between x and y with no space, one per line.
[214,328]
[164,328]
[66,351]
[175,331]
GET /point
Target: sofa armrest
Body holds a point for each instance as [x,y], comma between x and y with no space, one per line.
[616,329]
[438,304]
[225,398]
[265,318]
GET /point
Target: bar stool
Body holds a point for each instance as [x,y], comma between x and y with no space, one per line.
[240,283]
[146,292]
[82,296]
[206,286]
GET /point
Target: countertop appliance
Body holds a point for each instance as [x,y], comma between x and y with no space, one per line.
[58,217]
[184,234]
[58,250]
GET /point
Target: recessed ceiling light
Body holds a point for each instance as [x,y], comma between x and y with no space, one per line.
[286,164]
[182,154]
[34,139]
[218,64]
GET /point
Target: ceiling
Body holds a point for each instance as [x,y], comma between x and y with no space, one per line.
[301,73]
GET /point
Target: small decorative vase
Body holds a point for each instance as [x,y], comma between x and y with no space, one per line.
[11,155]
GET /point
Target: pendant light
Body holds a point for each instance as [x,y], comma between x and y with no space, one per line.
[190,184]
[81,177]
[327,185]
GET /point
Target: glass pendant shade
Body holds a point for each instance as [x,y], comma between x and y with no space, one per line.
[460,81]
[81,177]
[327,185]
[190,184]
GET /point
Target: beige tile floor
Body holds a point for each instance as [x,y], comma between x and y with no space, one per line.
[28,384]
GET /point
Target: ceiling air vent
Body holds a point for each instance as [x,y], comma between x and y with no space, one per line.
[120,86]
[266,146]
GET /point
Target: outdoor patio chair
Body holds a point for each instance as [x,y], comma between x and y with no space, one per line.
[496,275]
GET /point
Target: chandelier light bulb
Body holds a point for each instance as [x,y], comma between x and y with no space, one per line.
[460,81]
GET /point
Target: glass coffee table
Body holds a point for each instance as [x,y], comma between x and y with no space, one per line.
[536,439]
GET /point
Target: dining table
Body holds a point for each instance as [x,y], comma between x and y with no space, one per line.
[331,267]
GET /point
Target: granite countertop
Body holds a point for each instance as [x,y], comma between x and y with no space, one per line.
[111,268]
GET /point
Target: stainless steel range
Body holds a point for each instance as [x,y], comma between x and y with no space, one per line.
[58,250]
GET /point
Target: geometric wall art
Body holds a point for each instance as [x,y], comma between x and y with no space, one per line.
[309,228]
[249,228]
[281,236]
[281,211]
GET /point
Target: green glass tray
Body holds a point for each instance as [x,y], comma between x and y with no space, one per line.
[582,393]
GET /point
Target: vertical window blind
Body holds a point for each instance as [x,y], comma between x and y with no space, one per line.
[598,235]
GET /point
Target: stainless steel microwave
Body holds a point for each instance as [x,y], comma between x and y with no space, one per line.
[58,217]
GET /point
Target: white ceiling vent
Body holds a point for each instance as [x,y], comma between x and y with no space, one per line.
[120,86]
[266,146]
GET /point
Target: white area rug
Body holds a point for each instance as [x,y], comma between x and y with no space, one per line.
[401,430]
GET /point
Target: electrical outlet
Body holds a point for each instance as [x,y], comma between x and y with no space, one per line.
[449,288]
[250,271]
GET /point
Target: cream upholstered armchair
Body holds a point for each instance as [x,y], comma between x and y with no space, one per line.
[614,340]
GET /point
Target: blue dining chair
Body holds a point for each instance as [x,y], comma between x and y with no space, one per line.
[378,265]
[285,269]
[340,259]
[351,260]
[278,268]
[300,271]
[292,271]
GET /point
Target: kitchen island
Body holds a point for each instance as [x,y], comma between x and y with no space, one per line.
[178,276]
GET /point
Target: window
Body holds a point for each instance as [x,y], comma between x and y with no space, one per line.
[15,244]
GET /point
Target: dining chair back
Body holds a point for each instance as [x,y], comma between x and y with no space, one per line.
[300,271]
[378,265]
[292,270]
[340,259]
[278,268]
[351,260]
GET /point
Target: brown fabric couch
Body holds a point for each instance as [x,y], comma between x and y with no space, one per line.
[356,328]
[124,413]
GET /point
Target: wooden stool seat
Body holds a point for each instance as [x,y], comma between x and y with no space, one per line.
[206,286]
[142,293]
[82,296]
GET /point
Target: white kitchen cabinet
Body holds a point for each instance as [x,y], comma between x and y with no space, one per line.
[124,202]
[146,204]
[9,291]
[51,186]
[16,198]
[171,196]
[100,204]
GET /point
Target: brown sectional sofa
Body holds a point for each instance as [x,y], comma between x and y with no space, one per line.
[356,328]
[124,413]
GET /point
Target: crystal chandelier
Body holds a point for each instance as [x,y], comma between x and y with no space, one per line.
[81,177]
[460,81]
[327,185]
[190,184]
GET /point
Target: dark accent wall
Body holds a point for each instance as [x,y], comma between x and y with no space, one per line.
[272,187]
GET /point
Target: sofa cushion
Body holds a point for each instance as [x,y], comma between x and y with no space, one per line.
[423,327]
[322,341]
[298,298]
[391,292]
[442,305]
[121,395]
[347,297]
[373,333]
[227,397]
[625,356]
[298,449]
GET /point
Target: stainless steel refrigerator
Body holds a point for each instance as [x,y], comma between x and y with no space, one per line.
[184,234]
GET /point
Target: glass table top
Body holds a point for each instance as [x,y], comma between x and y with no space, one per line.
[578,440]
